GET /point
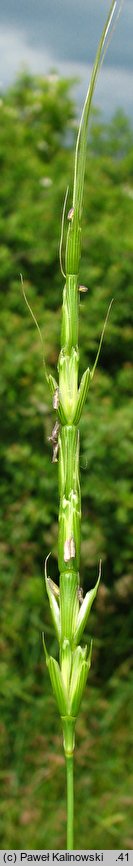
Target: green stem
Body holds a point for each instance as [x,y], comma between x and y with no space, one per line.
[70,801]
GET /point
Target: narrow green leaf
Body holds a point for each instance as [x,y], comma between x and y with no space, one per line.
[54,388]
[53,591]
[77,690]
[81,666]
[57,685]
[101,340]
[53,384]
[82,394]
[85,609]
[55,612]
[35,323]
[80,155]
[45,649]
[89,655]
[66,661]
[77,662]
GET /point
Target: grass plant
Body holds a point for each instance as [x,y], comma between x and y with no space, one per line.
[69,609]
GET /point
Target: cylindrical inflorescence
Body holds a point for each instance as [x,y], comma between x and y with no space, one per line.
[69,609]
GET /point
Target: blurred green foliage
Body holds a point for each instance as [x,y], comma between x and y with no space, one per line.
[37,136]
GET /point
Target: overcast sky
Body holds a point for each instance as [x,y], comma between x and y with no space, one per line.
[63,34]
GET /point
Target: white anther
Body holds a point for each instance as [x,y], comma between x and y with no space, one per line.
[83,289]
[56,399]
[69,549]
[70,213]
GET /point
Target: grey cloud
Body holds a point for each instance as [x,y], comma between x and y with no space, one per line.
[70,29]
[41,34]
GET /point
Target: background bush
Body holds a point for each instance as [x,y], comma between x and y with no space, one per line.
[37,136]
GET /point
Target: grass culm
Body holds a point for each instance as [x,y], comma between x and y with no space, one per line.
[69,610]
